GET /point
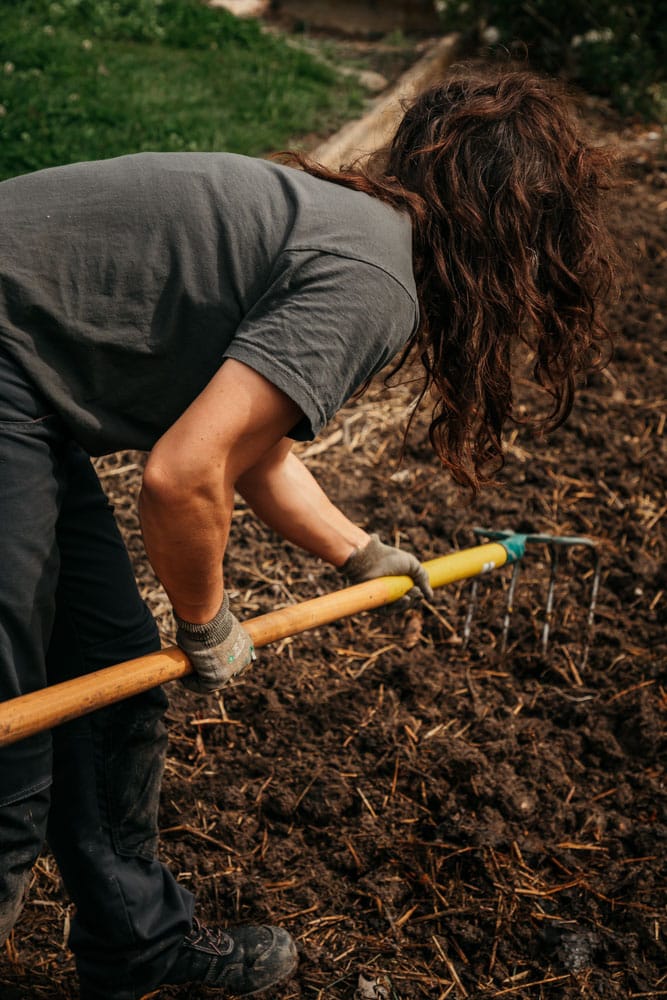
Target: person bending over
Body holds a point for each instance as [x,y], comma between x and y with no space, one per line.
[212,309]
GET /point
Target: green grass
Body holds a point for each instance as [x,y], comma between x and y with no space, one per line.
[88,79]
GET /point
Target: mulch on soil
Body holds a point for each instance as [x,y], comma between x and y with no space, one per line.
[445,821]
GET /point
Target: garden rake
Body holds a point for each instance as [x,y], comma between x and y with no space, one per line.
[31,713]
[555,545]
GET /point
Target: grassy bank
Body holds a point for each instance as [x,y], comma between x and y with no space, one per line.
[86,79]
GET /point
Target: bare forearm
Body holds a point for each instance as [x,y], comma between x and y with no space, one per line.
[188,489]
[285,495]
[185,542]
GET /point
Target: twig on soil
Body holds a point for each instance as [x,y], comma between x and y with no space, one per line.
[121,470]
[571,846]
[367,803]
[450,966]
[629,690]
[300,913]
[305,791]
[194,832]
[527,986]
[215,722]
[542,893]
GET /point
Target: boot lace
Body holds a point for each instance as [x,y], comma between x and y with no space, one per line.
[213,942]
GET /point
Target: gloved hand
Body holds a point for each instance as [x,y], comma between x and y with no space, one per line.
[377,559]
[218,650]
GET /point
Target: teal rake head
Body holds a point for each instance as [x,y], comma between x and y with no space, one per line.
[555,545]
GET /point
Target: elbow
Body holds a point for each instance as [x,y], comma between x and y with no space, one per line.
[164,484]
[170,485]
[161,488]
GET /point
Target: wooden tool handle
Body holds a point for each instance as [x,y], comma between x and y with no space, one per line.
[32,713]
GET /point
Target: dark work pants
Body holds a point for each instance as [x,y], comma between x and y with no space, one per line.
[69,605]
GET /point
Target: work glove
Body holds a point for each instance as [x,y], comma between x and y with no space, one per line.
[218,650]
[377,559]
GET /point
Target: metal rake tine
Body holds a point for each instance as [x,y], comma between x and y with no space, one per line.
[510,605]
[571,542]
[509,608]
[555,543]
[472,604]
[554,556]
[595,588]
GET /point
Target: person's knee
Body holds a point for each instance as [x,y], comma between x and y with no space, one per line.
[22,833]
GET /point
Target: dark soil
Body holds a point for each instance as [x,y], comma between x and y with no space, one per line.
[447,821]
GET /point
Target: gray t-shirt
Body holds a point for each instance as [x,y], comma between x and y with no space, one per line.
[124,283]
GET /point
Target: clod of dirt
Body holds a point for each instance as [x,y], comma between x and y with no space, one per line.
[573,947]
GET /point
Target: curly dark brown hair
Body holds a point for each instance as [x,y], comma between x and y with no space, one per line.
[510,246]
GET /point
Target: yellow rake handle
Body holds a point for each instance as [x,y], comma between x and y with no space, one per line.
[32,713]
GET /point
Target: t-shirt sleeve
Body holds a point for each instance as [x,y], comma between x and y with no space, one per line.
[325,325]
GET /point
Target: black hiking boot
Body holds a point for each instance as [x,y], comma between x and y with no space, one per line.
[241,960]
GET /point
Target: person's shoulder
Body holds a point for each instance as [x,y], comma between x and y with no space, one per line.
[338,220]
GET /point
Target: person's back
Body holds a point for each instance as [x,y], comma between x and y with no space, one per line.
[124,282]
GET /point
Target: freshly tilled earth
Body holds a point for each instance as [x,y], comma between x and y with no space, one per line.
[440,817]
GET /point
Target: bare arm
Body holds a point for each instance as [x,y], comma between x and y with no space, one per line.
[284,494]
[187,494]
[287,498]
